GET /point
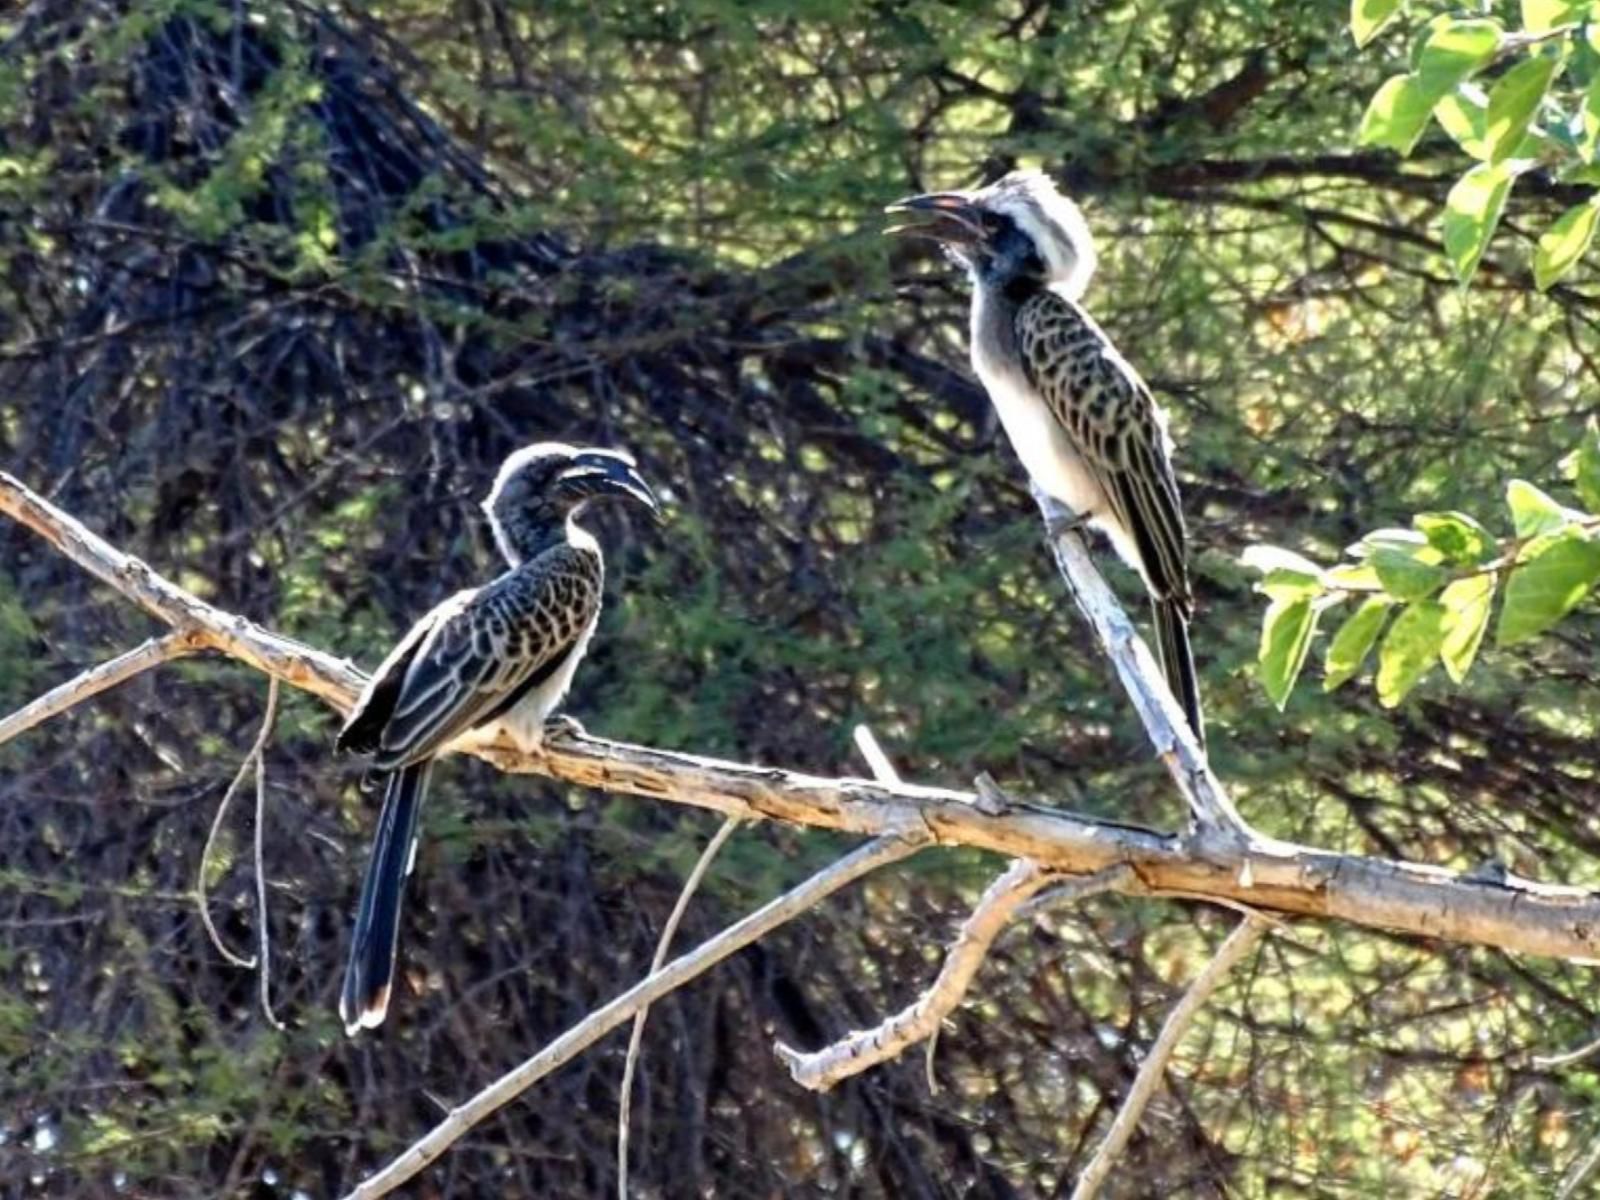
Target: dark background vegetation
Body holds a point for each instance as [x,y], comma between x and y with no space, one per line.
[280,284]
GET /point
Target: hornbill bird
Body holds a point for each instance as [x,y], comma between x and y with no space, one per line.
[501,655]
[1084,424]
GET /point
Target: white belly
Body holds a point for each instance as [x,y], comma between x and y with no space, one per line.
[524,724]
[1043,445]
[1040,441]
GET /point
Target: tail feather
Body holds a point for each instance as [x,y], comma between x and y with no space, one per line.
[370,974]
[1177,661]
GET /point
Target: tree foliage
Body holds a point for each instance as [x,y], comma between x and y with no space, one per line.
[284,282]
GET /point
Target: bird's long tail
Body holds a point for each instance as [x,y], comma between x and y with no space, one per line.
[368,978]
[1171,622]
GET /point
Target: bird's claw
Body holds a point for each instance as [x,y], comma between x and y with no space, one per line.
[1065,522]
[563,726]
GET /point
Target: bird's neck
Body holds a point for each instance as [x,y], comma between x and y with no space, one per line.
[524,535]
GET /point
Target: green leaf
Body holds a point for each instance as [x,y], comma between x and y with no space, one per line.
[1540,15]
[1466,119]
[1467,601]
[1589,141]
[1457,536]
[1454,50]
[1285,637]
[1354,641]
[1586,462]
[1266,559]
[1555,573]
[1565,242]
[1290,585]
[1353,577]
[1406,575]
[1396,115]
[1409,649]
[1471,211]
[1532,511]
[1369,16]
[1288,575]
[1514,99]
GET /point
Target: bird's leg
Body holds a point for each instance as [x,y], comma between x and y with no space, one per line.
[560,725]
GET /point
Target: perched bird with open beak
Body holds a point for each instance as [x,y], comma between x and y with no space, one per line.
[498,658]
[1086,427]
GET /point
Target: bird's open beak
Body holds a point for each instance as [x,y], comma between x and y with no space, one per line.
[948,217]
[610,472]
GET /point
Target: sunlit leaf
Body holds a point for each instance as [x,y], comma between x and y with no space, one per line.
[1586,466]
[1540,15]
[1354,641]
[1564,243]
[1513,100]
[1409,648]
[1466,121]
[1285,637]
[1467,603]
[1406,575]
[1396,115]
[1369,16]
[1454,50]
[1267,559]
[1556,571]
[1532,511]
[1457,536]
[1589,139]
[1472,210]
[1353,577]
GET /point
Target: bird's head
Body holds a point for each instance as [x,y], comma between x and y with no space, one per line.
[1017,228]
[541,487]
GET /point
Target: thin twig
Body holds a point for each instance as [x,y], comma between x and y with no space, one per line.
[109,674]
[261,874]
[1567,1057]
[879,763]
[876,853]
[1579,1172]
[251,762]
[1240,942]
[625,1105]
[820,1070]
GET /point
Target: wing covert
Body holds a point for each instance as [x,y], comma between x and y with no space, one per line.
[490,645]
[1113,422]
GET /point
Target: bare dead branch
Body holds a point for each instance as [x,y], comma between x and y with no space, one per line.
[107,675]
[1240,942]
[877,853]
[820,1070]
[1513,914]
[1141,679]
[625,1105]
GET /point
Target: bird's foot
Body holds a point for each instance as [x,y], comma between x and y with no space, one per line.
[563,726]
[1065,522]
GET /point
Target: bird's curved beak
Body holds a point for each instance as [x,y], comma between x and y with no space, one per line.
[948,217]
[611,472]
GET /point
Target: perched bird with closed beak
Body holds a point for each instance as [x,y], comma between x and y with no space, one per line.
[498,658]
[1082,421]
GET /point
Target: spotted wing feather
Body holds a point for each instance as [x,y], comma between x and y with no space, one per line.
[1114,424]
[473,655]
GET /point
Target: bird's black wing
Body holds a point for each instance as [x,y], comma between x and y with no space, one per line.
[462,662]
[1119,433]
